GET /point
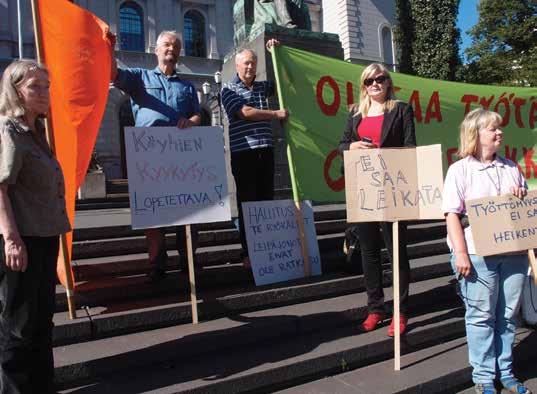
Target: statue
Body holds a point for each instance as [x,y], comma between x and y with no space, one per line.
[289,13]
[250,16]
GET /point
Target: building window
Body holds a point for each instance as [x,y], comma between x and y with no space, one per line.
[131,27]
[387,46]
[194,34]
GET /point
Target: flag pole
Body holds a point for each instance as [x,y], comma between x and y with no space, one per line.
[19,29]
[64,251]
[396,298]
[298,208]
[191,274]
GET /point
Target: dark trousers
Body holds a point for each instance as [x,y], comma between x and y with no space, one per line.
[370,246]
[156,245]
[253,170]
[27,301]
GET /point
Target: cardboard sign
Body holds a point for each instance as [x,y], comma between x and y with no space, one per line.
[393,184]
[503,224]
[176,176]
[273,240]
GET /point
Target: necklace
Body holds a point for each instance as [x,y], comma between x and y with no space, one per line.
[498,185]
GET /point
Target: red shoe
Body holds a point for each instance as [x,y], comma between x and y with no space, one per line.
[371,322]
[403,321]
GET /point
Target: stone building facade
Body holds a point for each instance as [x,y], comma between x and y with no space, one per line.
[365,28]
[206,29]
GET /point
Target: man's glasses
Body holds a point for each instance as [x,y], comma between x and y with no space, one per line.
[380,79]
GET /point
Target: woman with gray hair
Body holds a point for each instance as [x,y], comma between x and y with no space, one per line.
[32,216]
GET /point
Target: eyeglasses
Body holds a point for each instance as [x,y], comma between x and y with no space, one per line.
[380,79]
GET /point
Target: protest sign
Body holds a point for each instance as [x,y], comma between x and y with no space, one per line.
[318,91]
[176,176]
[393,184]
[273,240]
[503,224]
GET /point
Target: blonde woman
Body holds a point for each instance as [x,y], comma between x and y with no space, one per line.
[490,286]
[379,121]
[32,216]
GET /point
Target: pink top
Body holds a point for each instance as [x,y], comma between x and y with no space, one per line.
[371,126]
[468,179]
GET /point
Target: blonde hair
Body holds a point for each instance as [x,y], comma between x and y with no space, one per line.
[14,76]
[365,101]
[474,121]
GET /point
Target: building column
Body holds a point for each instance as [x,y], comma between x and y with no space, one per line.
[113,22]
[179,23]
[213,45]
[151,26]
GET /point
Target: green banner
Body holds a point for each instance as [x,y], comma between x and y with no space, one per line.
[318,90]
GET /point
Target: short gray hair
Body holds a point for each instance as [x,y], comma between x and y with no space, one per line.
[171,33]
[14,75]
[243,52]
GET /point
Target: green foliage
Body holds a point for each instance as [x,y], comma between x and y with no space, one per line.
[504,44]
[404,36]
[427,37]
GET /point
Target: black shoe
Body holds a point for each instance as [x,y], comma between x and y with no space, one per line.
[156,275]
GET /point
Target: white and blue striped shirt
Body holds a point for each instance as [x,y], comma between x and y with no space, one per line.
[247,134]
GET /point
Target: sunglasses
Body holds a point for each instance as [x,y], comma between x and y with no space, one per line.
[380,79]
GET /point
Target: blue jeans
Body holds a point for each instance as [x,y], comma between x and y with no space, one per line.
[492,295]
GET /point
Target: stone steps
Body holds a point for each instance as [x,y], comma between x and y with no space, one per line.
[252,351]
[133,336]
[442,368]
[132,305]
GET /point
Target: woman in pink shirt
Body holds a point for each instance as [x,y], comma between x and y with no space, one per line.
[490,286]
[379,121]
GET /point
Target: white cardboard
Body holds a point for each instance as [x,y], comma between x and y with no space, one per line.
[176,176]
[274,243]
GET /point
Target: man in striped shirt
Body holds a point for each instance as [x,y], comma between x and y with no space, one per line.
[250,134]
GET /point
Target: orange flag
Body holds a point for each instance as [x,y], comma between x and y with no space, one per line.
[77,55]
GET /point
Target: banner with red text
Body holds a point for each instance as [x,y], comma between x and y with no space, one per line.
[317,91]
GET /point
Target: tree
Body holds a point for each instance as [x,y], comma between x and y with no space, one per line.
[404,36]
[504,44]
[428,38]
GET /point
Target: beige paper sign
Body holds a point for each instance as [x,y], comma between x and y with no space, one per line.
[503,224]
[393,184]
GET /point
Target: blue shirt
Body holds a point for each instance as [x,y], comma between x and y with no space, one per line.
[247,134]
[157,99]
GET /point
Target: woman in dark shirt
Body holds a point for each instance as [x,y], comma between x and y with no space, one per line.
[379,121]
[32,216]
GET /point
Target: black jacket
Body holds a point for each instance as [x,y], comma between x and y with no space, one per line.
[397,128]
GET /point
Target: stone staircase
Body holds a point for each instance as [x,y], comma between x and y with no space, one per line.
[136,337]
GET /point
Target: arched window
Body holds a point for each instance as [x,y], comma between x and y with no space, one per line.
[194,34]
[387,46]
[131,27]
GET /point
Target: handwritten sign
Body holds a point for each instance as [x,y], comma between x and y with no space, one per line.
[273,240]
[176,176]
[503,224]
[393,184]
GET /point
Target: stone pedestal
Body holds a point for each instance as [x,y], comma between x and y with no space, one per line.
[94,186]
[321,43]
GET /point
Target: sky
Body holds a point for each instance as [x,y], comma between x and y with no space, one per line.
[467,19]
